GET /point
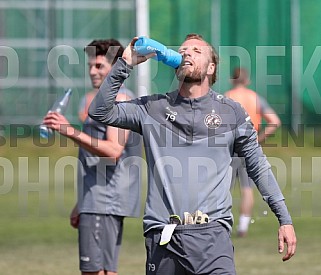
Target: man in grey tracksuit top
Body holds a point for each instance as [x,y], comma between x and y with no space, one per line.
[108,170]
[190,136]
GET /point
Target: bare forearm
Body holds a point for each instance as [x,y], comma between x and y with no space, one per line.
[103,108]
[268,131]
[273,122]
[101,148]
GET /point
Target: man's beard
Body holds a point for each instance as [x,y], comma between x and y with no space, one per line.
[189,77]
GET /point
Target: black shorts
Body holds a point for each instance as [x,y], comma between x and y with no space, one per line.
[204,249]
[99,238]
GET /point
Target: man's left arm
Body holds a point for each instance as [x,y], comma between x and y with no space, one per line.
[259,169]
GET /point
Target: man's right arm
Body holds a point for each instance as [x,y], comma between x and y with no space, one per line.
[103,108]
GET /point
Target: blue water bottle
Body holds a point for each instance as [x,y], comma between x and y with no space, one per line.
[59,106]
[169,57]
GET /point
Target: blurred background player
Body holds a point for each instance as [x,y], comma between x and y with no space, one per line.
[106,193]
[258,110]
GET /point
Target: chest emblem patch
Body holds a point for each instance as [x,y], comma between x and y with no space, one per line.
[212,121]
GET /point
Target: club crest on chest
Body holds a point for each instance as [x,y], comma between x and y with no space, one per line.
[212,120]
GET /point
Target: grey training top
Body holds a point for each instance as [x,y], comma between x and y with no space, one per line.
[104,185]
[189,144]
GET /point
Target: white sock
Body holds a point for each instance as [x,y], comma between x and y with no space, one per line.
[244,222]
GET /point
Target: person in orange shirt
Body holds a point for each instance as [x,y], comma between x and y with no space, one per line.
[258,110]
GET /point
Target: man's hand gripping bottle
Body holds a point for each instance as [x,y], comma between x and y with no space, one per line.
[59,106]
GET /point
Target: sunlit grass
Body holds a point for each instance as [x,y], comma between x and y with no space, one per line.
[36,238]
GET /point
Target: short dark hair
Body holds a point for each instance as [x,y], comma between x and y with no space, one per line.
[214,55]
[110,48]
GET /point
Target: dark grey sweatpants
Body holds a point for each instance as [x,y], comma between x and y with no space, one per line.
[204,249]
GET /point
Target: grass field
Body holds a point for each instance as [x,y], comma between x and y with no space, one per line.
[35,236]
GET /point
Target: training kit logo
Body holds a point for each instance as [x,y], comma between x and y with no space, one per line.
[212,120]
[85,259]
[170,115]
